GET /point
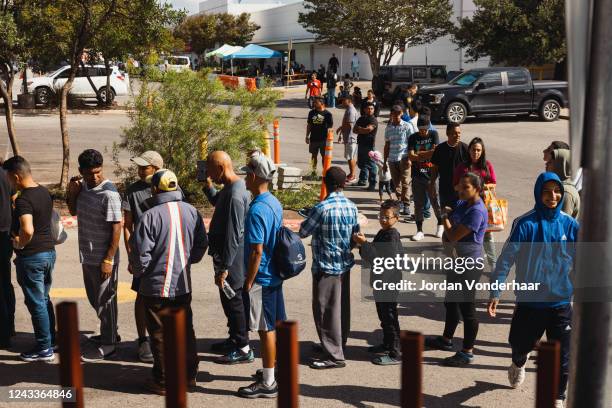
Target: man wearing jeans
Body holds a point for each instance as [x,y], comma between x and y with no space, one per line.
[396,155]
[332,224]
[366,128]
[421,146]
[35,250]
[7,292]
[169,238]
[97,205]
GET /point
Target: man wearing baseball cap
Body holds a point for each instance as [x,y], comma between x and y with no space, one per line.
[148,163]
[168,239]
[267,306]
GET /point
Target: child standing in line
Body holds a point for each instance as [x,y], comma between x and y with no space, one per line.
[384,180]
[386,243]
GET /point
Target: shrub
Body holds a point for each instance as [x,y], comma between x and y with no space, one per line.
[191,111]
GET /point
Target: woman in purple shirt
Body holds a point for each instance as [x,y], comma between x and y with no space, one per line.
[464,228]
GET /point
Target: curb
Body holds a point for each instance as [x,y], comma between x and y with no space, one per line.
[292,224]
[119,110]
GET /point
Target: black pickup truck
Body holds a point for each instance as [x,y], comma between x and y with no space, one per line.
[494,91]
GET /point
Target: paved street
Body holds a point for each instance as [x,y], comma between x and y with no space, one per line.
[515,149]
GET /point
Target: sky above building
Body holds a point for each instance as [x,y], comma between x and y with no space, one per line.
[190,5]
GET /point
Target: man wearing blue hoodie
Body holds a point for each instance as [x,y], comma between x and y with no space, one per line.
[541,245]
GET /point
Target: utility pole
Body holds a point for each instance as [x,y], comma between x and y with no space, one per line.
[591,357]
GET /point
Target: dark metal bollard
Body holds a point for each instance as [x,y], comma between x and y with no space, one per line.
[412,369]
[71,372]
[175,355]
[287,343]
[547,383]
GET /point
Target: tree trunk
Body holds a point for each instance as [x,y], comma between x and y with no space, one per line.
[93,86]
[108,89]
[24,82]
[64,130]
[7,96]
[374,64]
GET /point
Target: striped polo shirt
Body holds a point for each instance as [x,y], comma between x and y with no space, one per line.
[397,136]
[97,209]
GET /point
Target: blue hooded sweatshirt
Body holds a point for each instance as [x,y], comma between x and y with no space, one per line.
[541,245]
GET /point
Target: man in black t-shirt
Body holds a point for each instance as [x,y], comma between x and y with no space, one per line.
[366,128]
[7,292]
[333,63]
[421,147]
[35,249]
[446,157]
[320,120]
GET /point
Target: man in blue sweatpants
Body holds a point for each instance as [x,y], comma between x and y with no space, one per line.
[541,245]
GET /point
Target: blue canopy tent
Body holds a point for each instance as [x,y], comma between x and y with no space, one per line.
[253,51]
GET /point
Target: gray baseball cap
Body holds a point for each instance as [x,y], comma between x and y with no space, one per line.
[260,165]
[149,158]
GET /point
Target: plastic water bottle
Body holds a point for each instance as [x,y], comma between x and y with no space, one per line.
[228,291]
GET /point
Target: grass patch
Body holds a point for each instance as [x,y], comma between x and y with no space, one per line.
[295,200]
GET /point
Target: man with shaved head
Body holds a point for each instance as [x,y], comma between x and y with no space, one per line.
[226,247]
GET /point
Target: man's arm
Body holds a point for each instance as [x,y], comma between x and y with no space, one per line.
[74,189]
[363,130]
[142,243]
[128,227]
[210,192]
[200,241]
[310,224]
[253,265]
[234,228]
[26,231]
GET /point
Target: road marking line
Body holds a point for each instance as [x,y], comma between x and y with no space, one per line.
[124,293]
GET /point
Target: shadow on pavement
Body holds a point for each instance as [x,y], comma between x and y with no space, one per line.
[457,398]
[353,395]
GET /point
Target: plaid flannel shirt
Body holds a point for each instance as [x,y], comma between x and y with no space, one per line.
[331,223]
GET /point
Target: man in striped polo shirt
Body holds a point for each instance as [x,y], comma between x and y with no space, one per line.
[97,205]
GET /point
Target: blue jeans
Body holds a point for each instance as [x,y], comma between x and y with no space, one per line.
[368,170]
[331,97]
[34,277]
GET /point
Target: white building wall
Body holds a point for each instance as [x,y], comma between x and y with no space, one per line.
[278,22]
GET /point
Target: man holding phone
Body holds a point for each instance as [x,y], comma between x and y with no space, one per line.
[226,247]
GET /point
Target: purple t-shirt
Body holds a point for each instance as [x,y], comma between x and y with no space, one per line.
[474,217]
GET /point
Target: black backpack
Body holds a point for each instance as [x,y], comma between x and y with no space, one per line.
[289,253]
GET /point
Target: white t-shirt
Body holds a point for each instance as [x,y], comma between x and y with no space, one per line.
[355,62]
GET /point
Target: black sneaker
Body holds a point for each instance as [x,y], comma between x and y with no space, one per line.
[362,183]
[438,343]
[223,346]
[259,390]
[460,359]
[236,357]
[372,188]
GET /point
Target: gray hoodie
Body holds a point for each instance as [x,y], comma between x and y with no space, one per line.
[562,167]
[169,237]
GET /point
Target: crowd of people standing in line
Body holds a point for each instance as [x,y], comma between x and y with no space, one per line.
[164,236]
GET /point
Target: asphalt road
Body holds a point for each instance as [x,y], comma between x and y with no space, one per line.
[515,149]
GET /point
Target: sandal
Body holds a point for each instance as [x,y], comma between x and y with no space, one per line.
[325,364]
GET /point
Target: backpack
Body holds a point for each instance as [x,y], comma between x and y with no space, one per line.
[289,253]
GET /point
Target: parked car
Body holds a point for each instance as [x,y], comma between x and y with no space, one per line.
[46,87]
[393,80]
[176,64]
[494,91]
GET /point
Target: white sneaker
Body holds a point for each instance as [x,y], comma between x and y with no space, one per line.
[440,231]
[559,404]
[418,236]
[144,352]
[516,375]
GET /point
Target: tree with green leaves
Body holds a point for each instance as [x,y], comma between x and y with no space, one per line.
[191,110]
[205,31]
[514,32]
[377,27]
[13,50]
[66,29]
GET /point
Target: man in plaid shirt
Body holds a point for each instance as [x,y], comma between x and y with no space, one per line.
[331,224]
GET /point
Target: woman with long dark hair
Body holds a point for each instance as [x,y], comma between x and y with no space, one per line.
[478,164]
[464,229]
